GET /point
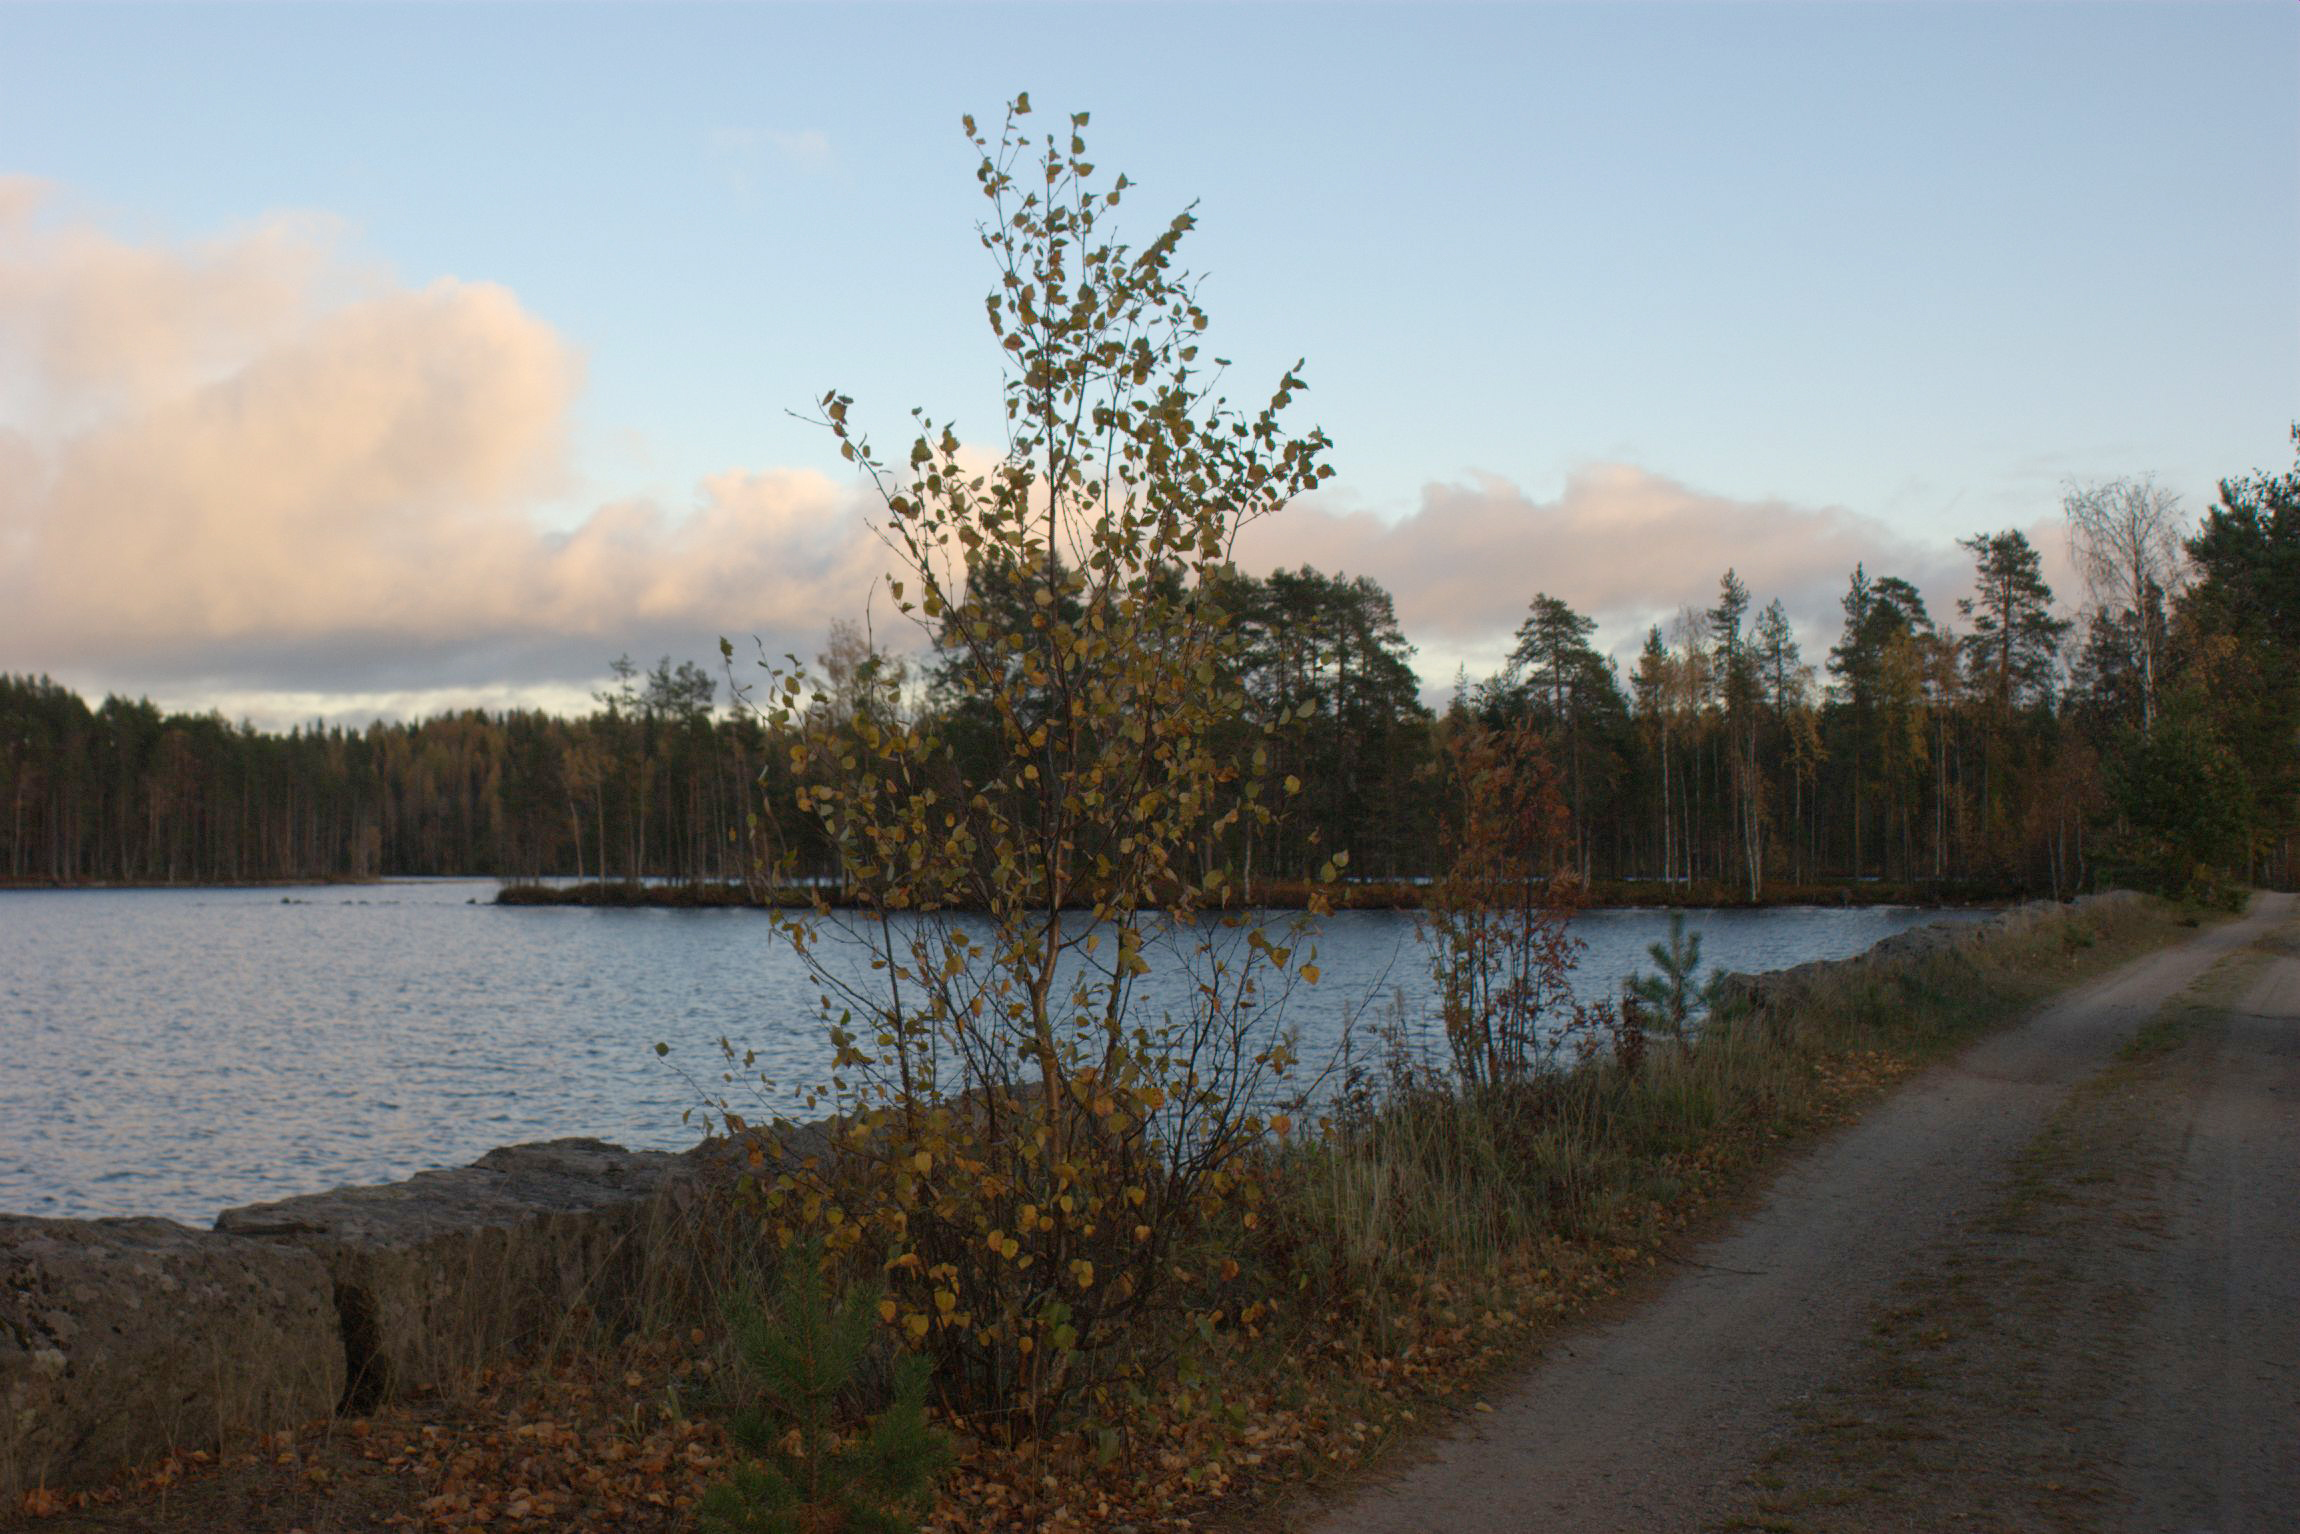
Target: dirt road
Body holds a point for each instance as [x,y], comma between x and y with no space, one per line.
[2039,1287]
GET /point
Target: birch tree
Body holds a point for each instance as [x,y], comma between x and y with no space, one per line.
[2126,537]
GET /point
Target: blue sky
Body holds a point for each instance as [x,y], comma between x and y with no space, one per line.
[1882,272]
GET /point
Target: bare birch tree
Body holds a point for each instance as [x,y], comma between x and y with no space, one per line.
[2125,535]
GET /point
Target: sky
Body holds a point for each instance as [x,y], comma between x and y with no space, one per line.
[367,361]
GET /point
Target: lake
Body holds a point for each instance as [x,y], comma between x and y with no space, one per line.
[176,1052]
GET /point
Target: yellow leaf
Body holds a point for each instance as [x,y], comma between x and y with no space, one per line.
[886,1311]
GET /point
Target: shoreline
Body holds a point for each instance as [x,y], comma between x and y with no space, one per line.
[316,882]
[1608,894]
[1277,895]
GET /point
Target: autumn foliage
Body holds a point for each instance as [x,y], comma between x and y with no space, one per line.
[1502,949]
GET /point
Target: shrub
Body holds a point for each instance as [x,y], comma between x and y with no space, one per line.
[1501,947]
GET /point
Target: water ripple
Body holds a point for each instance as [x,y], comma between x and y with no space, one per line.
[177,1052]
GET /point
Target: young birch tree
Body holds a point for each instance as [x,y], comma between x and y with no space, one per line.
[1020,1144]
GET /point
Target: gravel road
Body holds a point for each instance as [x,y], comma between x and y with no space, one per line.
[2206,1425]
[1791,1378]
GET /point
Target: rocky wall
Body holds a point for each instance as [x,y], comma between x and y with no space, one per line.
[122,1340]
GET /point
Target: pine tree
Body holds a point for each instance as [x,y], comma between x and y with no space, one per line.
[1670,997]
[1557,677]
[2013,651]
[801,1478]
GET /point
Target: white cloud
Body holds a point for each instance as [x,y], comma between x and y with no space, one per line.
[744,156]
[808,149]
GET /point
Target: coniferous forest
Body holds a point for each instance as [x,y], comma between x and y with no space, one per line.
[2153,739]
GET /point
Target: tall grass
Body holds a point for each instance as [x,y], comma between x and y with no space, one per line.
[1419,1175]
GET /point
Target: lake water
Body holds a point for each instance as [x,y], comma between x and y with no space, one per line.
[176,1052]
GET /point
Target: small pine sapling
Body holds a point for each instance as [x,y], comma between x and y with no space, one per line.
[1670,998]
[799,1476]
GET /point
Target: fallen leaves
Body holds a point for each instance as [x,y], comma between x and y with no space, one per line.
[587,1443]
[614,1440]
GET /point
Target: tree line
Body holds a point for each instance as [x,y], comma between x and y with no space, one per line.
[655,782]
[2150,738]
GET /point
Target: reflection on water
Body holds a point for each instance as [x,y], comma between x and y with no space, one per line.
[177,1051]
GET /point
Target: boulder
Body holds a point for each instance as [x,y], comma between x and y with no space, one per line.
[123,1339]
[453,1269]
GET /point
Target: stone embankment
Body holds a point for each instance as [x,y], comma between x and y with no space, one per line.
[121,1340]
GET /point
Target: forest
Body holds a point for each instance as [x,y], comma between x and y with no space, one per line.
[2152,739]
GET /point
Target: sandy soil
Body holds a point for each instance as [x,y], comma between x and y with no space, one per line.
[1997,1302]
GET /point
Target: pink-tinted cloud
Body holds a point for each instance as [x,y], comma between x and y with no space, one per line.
[247,460]
[1622,544]
[92,323]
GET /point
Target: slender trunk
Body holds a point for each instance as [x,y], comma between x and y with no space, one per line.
[1672,825]
[1859,866]
[2147,653]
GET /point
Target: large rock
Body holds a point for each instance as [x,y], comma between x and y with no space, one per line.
[123,1339]
[453,1269]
